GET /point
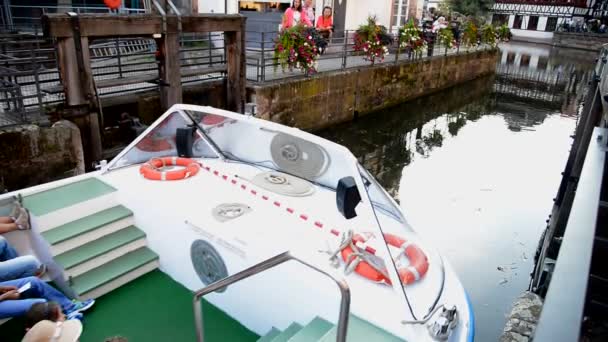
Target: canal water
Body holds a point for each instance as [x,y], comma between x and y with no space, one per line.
[476,167]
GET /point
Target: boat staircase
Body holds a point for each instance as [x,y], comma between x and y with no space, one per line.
[320,330]
[91,236]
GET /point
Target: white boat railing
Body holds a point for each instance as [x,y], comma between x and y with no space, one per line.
[261,267]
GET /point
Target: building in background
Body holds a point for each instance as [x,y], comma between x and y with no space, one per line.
[538,19]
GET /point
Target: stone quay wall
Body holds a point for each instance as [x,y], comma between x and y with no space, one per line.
[31,155]
[583,41]
[329,98]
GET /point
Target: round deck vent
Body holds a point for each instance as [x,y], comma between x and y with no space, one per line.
[228,211]
[207,263]
[298,156]
[283,184]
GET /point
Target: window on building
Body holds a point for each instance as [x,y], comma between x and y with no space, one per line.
[517,22]
[399,12]
[500,19]
[524,61]
[543,62]
[511,58]
[551,24]
[533,23]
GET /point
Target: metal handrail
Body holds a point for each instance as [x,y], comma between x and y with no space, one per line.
[261,267]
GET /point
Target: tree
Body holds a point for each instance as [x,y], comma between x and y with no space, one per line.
[470,7]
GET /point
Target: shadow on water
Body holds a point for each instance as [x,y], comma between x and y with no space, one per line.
[476,166]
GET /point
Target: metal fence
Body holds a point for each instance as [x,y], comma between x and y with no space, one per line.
[25,17]
[340,54]
[30,83]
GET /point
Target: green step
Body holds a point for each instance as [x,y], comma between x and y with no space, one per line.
[291,330]
[361,331]
[99,247]
[86,224]
[112,270]
[47,201]
[274,332]
[312,331]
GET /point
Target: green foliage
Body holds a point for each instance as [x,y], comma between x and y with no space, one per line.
[296,48]
[470,7]
[410,37]
[503,32]
[446,37]
[488,35]
[372,40]
[445,8]
[470,34]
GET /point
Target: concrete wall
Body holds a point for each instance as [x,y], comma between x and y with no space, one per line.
[330,98]
[584,41]
[31,155]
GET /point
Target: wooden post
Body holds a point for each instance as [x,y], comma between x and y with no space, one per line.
[76,93]
[235,86]
[79,96]
[170,69]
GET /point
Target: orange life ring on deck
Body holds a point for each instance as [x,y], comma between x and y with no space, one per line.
[112,4]
[152,169]
[419,263]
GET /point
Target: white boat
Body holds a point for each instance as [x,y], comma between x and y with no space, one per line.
[251,190]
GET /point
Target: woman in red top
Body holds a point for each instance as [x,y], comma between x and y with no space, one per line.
[325,22]
[295,15]
[325,25]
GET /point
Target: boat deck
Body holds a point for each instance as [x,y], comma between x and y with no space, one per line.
[151,308]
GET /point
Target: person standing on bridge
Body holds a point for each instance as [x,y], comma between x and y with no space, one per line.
[309,8]
[295,15]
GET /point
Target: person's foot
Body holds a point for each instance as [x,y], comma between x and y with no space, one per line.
[23,221]
[15,211]
[41,271]
[75,315]
[78,306]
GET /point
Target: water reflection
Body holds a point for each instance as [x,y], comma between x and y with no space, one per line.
[476,166]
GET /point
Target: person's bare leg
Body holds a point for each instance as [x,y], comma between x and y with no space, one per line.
[8,227]
[6,219]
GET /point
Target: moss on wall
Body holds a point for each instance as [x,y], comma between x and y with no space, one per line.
[31,155]
[330,98]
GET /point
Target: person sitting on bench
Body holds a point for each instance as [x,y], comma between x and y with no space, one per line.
[17,297]
[13,266]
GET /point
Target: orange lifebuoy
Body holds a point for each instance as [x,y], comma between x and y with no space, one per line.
[416,270]
[152,169]
[112,4]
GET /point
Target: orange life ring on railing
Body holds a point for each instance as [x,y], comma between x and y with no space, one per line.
[112,4]
[153,169]
[416,270]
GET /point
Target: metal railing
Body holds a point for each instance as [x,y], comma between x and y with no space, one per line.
[564,264]
[340,54]
[564,304]
[24,17]
[30,80]
[261,267]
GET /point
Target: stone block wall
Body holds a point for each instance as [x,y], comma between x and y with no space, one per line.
[583,41]
[32,155]
[330,98]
